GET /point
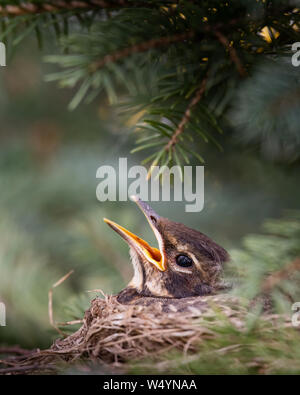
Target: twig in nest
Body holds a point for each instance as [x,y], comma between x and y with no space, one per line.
[99,290]
[187,115]
[14,350]
[50,302]
[74,322]
[18,369]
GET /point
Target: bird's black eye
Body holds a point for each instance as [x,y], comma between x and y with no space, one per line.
[184,261]
[153,219]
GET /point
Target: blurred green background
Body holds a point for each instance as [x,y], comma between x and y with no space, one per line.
[51,221]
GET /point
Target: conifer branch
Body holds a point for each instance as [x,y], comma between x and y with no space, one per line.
[275,278]
[140,47]
[187,115]
[232,53]
[51,6]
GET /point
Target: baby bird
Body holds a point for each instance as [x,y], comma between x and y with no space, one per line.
[186,265]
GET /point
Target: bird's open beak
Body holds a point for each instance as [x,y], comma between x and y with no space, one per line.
[152,254]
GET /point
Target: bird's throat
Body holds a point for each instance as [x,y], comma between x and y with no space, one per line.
[146,280]
[139,275]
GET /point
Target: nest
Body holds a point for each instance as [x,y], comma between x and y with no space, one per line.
[114,334]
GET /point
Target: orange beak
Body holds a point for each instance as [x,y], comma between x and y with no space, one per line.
[152,254]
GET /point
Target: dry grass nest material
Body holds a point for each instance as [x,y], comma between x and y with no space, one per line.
[114,334]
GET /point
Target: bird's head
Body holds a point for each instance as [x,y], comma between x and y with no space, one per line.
[186,262]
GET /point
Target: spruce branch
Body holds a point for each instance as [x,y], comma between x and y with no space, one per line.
[109,54]
[187,115]
[283,274]
[232,53]
[52,6]
[140,47]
